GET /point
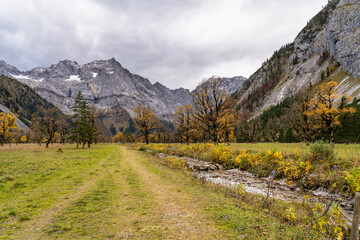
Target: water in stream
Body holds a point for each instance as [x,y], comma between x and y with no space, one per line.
[214,173]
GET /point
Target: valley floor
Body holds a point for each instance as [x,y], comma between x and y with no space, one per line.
[114,192]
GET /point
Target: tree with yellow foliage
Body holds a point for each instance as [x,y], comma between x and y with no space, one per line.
[146,121]
[328,106]
[211,103]
[227,123]
[184,122]
[23,139]
[118,137]
[7,125]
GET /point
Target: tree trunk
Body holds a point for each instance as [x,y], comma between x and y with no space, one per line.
[48,142]
[147,138]
[331,129]
[88,144]
[356,218]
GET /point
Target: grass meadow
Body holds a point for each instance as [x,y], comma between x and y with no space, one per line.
[115,192]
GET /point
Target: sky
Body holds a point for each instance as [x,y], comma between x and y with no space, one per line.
[175,42]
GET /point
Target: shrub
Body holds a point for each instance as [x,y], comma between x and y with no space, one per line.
[320,152]
[293,169]
[217,151]
[141,148]
[174,162]
[242,160]
[353,179]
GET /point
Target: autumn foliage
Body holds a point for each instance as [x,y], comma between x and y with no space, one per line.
[146,121]
[7,126]
[328,107]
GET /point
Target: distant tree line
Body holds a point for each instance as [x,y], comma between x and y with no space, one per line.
[318,113]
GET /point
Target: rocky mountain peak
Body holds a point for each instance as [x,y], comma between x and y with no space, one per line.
[6,69]
[231,85]
[328,46]
[104,84]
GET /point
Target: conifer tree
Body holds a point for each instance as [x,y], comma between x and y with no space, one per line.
[83,127]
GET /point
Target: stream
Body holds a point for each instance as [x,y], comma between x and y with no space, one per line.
[214,173]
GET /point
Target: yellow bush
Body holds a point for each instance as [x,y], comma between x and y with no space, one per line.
[353,179]
[242,160]
[175,163]
[294,169]
[217,151]
[225,156]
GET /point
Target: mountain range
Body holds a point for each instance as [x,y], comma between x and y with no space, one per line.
[106,85]
[327,48]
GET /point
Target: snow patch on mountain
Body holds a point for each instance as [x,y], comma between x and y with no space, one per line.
[73,78]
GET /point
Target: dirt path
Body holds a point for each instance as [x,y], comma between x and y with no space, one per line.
[128,194]
[175,212]
[129,198]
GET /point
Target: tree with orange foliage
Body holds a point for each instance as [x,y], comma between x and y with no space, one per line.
[227,123]
[329,107]
[146,121]
[7,125]
[211,103]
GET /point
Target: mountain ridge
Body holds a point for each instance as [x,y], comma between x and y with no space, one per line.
[105,84]
[98,80]
[328,46]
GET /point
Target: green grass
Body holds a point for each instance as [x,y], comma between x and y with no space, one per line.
[112,192]
[343,151]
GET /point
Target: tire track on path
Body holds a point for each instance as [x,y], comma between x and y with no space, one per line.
[174,211]
[33,229]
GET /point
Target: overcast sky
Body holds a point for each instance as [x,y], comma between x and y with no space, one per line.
[177,43]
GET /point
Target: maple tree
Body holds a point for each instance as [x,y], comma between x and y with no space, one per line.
[46,123]
[146,121]
[227,122]
[211,103]
[118,137]
[7,125]
[329,107]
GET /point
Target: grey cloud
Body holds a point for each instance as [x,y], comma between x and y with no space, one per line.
[174,42]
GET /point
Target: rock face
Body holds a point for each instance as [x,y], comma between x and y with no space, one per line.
[231,85]
[343,36]
[19,123]
[103,83]
[331,40]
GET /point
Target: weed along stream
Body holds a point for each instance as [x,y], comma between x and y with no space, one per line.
[237,179]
